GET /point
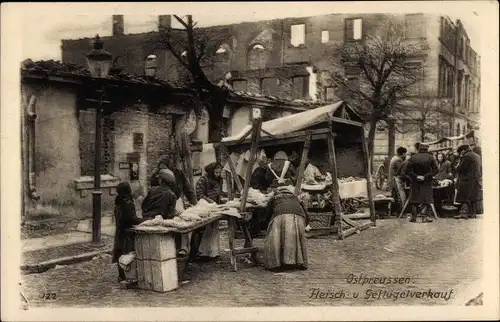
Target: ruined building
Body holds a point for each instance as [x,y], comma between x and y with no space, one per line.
[294,58]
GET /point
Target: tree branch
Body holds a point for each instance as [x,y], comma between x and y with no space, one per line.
[181,21]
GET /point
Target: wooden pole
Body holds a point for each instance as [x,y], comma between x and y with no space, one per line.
[337,208]
[187,156]
[256,124]
[305,153]
[236,178]
[367,159]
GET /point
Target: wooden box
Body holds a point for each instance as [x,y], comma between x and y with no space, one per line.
[156,262]
[155,246]
[157,276]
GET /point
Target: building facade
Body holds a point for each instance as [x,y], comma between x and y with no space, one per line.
[58,134]
[294,58]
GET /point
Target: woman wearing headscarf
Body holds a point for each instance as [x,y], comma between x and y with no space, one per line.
[209,187]
[125,218]
[444,166]
[285,244]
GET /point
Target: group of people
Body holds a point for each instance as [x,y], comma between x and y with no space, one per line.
[170,192]
[461,173]
[168,189]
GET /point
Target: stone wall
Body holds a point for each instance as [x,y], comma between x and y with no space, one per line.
[64,139]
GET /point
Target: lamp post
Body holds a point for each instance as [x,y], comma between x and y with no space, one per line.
[99,62]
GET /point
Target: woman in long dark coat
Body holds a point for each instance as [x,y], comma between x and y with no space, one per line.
[421,169]
[469,182]
[285,245]
[125,218]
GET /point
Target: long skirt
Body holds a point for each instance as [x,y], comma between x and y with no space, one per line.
[285,243]
[210,242]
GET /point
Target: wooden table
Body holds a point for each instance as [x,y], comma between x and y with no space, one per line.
[156,252]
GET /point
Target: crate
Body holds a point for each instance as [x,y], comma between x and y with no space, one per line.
[321,220]
[157,267]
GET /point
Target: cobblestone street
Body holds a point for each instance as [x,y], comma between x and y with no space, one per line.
[440,256]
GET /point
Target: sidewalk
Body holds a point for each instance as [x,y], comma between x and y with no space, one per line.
[44,253]
[41,254]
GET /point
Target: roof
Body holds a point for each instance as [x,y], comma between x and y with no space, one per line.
[339,112]
[259,99]
[72,73]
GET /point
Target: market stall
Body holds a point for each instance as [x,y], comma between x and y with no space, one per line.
[155,251]
[335,131]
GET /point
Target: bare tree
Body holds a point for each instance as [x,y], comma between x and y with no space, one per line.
[387,67]
[426,111]
[195,49]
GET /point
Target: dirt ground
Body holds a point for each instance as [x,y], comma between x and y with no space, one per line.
[437,257]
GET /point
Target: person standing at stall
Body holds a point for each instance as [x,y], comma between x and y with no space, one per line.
[125,218]
[161,200]
[392,180]
[181,188]
[285,244]
[421,169]
[469,182]
[261,179]
[209,187]
[444,166]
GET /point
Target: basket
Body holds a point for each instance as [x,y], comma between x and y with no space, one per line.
[321,220]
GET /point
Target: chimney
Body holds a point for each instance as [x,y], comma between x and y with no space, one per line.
[118,25]
[164,22]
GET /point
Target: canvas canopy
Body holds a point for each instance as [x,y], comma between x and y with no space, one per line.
[296,122]
[470,134]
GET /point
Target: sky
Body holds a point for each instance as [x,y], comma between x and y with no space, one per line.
[44,25]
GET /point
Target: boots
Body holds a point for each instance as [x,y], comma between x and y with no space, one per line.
[463,212]
[414,213]
[425,214]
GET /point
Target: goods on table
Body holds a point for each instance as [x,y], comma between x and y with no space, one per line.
[445,183]
[258,198]
[352,187]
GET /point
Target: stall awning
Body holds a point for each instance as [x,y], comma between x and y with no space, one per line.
[301,121]
[470,134]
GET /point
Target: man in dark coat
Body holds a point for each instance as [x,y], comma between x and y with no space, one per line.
[421,169]
[160,200]
[469,182]
[182,185]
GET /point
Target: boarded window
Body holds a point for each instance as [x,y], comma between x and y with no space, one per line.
[414,26]
[86,120]
[240,85]
[300,87]
[353,29]
[138,141]
[325,36]
[257,57]
[330,94]
[298,36]
[269,86]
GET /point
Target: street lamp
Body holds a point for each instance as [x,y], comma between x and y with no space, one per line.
[99,62]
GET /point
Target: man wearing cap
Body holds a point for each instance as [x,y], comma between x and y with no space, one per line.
[160,200]
[182,187]
[469,182]
[421,169]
